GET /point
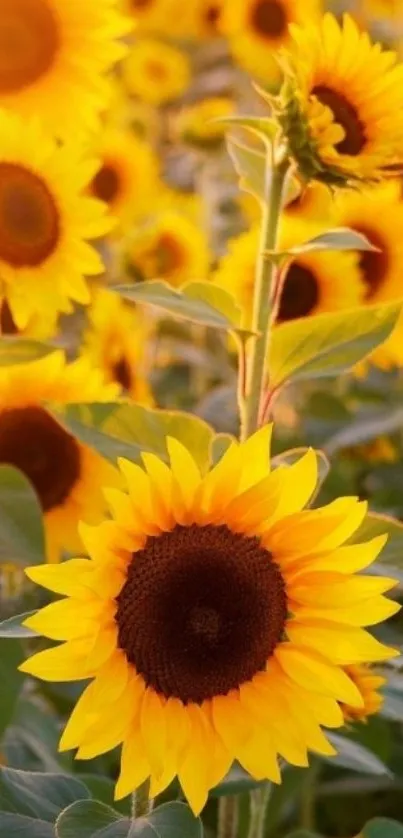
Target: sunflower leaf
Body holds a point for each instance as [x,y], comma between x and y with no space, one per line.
[37,795]
[125,430]
[341,238]
[250,165]
[93,819]
[355,757]
[11,655]
[21,527]
[16,350]
[382,828]
[19,826]
[328,344]
[264,127]
[198,302]
[13,628]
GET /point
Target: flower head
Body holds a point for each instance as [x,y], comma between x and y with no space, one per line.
[156,72]
[172,247]
[66,475]
[368,684]
[215,618]
[341,103]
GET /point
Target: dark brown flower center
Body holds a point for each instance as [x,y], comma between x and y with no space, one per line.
[7,325]
[106,183]
[29,217]
[169,255]
[32,441]
[29,42]
[212,16]
[201,611]
[122,373]
[269,18]
[300,293]
[374,264]
[140,4]
[345,114]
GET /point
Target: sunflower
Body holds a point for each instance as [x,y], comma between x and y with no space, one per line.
[54,53]
[215,616]
[368,685]
[206,19]
[257,28]
[156,72]
[195,124]
[314,202]
[172,247]
[127,179]
[343,118]
[44,222]
[391,9]
[66,475]
[314,282]
[370,212]
[40,326]
[169,18]
[116,343]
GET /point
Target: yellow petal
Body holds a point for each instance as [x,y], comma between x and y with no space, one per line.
[255,453]
[333,589]
[339,643]
[268,709]
[231,721]
[366,613]
[184,470]
[348,559]
[70,618]
[298,483]
[154,729]
[134,768]
[68,662]
[315,673]
[194,765]
[69,578]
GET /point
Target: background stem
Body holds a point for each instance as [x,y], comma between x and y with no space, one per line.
[259,801]
[228,817]
[265,272]
[141,802]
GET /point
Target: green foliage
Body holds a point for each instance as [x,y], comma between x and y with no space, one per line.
[355,757]
[250,165]
[382,828]
[21,528]
[11,679]
[92,819]
[328,344]
[13,626]
[341,238]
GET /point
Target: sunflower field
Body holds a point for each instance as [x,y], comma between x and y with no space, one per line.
[201,418]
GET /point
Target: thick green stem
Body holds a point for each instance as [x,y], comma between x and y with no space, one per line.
[141,802]
[228,817]
[265,272]
[259,801]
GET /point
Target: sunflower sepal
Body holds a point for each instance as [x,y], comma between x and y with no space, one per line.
[263,127]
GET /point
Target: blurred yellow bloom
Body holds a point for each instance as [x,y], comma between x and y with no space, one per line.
[54,57]
[67,475]
[215,617]
[195,124]
[41,325]
[172,247]
[341,103]
[168,18]
[46,221]
[116,344]
[127,179]
[156,72]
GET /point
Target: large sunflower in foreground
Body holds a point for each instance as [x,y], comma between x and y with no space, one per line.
[45,220]
[127,179]
[257,28]
[67,476]
[313,283]
[378,214]
[116,343]
[172,247]
[341,107]
[215,616]
[53,56]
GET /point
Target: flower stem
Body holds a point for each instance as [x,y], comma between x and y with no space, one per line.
[259,801]
[276,174]
[141,802]
[228,817]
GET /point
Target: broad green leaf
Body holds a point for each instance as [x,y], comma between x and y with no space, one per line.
[328,344]
[128,429]
[171,820]
[237,781]
[340,239]
[198,302]
[288,458]
[38,795]
[13,626]
[376,524]
[19,826]
[21,528]
[354,756]
[392,707]
[366,427]
[91,819]
[250,165]
[382,828]
[264,127]
[35,732]
[16,350]
[11,679]
[102,789]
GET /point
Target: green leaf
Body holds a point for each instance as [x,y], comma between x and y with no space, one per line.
[38,795]
[128,429]
[102,789]
[376,524]
[328,344]
[35,732]
[171,820]
[11,679]
[19,826]
[382,828]
[198,302]
[354,756]
[264,127]
[21,527]
[13,626]
[250,165]
[365,427]
[15,350]
[340,239]
[91,819]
